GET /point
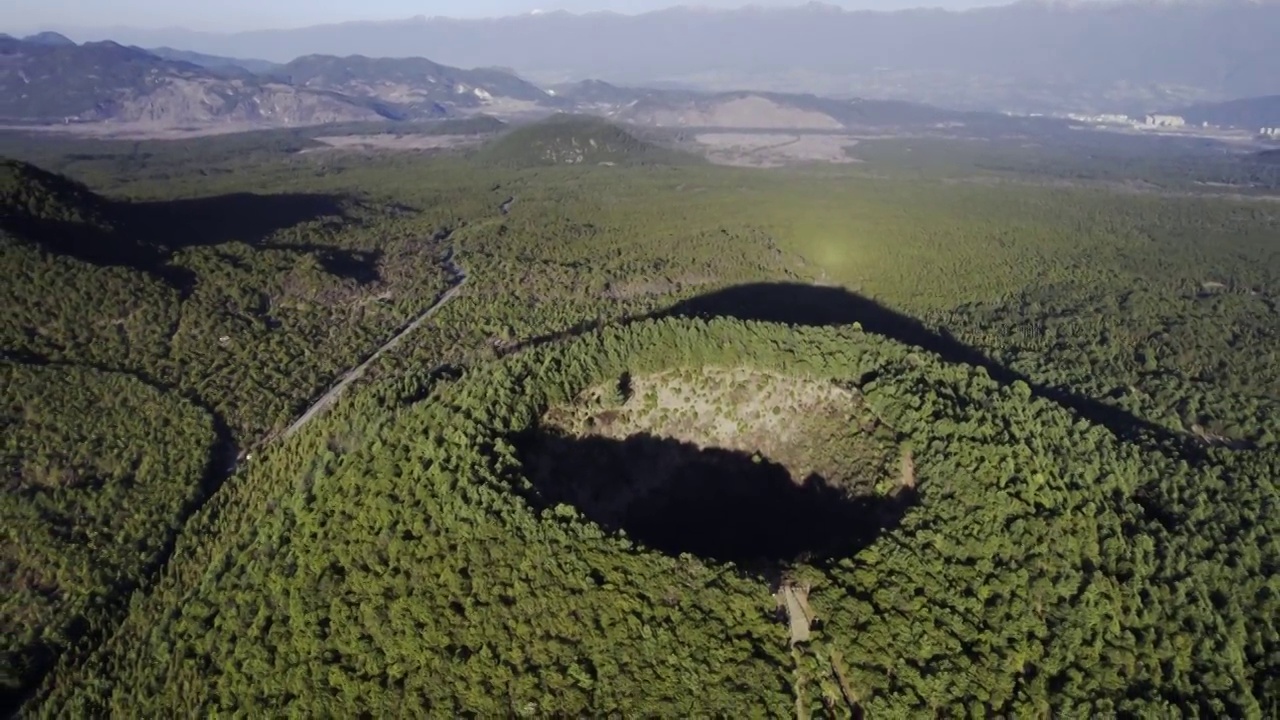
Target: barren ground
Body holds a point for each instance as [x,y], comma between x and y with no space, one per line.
[143,130]
[798,422]
[386,141]
[724,463]
[774,149]
[745,112]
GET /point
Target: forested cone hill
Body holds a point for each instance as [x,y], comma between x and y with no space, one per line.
[28,193]
[567,139]
[1014,437]
[1086,580]
[66,218]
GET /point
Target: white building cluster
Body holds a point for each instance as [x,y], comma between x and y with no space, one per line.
[1103,119]
[1273,132]
[1175,121]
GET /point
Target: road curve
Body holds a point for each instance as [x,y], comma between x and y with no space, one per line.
[344,381]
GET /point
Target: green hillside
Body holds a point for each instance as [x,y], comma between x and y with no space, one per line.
[103,468]
[939,433]
[64,217]
[165,321]
[30,193]
[576,140]
[427,569]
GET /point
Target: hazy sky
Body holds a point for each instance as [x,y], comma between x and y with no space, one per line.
[27,15]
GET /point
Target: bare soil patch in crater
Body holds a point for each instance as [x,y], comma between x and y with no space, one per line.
[727,464]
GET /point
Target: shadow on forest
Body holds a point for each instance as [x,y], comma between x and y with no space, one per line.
[718,504]
[798,304]
[86,242]
[819,306]
[244,217]
[144,235]
[815,306]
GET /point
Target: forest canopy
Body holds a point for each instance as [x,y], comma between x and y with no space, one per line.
[1058,597]
[1028,424]
[101,469]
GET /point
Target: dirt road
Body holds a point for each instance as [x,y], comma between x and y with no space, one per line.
[344,381]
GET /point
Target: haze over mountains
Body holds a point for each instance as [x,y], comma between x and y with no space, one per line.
[51,80]
[1029,56]
[48,78]
[43,80]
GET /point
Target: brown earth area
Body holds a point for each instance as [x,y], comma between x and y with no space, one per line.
[767,150]
[387,141]
[751,112]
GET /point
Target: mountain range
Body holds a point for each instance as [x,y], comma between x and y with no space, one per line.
[1034,55]
[48,81]
[48,78]
[43,80]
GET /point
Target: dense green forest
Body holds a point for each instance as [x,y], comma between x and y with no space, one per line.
[102,468]
[393,573]
[576,140]
[247,305]
[1082,380]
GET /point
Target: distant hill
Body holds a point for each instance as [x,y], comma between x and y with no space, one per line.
[1246,113]
[758,110]
[108,81]
[576,140]
[414,83]
[598,92]
[1034,55]
[216,62]
[777,110]
[49,38]
[739,110]
[105,81]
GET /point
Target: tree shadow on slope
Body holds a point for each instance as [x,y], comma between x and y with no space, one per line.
[88,242]
[798,304]
[144,235]
[237,217]
[802,305]
[722,505]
